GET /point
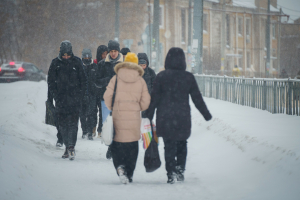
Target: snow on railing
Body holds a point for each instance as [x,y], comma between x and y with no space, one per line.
[273,95]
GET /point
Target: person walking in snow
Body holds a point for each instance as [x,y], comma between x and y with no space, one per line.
[88,112]
[149,74]
[101,54]
[131,97]
[170,96]
[67,84]
[105,73]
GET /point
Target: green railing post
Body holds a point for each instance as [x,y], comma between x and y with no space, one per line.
[264,95]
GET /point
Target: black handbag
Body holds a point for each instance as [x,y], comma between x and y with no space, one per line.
[151,160]
[50,118]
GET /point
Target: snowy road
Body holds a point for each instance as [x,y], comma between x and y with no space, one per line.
[243,153]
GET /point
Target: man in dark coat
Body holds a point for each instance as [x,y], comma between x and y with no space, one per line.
[67,84]
[101,53]
[149,75]
[170,96]
[88,112]
[105,73]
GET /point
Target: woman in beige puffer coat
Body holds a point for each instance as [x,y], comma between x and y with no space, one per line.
[131,98]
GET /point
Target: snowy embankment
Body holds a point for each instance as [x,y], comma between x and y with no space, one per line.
[242,153]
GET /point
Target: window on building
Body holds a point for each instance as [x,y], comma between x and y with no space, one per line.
[240,61]
[161,16]
[248,27]
[205,28]
[228,30]
[240,26]
[274,31]
[183,25]
[248,59]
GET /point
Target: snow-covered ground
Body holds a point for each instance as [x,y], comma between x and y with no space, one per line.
[242,153]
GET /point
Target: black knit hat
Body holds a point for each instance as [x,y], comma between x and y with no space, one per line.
[113,45]
[66,47]
[124,51]
[86,53]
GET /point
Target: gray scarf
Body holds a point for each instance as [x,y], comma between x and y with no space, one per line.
[114,61]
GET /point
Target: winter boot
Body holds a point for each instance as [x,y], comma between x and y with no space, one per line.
[84,135]
[180,173]
[71,152]
[94,131]
[130,179]
[99,135]
[59,143]
[65,155]
[90,137]
[122,174]
[171,178]
[108,153]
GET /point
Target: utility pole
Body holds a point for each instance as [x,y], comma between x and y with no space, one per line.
[223,33]
[117,10]
[156,18]
[268,43]
[190,25]
[198,35]
[150,35]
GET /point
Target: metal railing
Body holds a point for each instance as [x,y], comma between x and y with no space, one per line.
[273,95]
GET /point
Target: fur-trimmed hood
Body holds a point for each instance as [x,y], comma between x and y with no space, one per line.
[129,72]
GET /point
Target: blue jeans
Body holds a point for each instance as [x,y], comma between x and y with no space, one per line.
[105,111]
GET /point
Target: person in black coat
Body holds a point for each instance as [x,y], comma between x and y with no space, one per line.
[105,73]
[67,84]
[88,112]
[102,51]
[170,96]
[149,75]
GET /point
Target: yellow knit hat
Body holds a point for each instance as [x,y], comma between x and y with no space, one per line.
[131,57]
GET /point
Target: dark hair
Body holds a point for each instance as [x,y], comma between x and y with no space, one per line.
[175,59]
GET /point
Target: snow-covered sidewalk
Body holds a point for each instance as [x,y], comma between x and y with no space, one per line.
[242,153]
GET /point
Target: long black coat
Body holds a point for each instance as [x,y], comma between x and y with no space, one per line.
[67,83]
[104,73]
[91,75]
[170,96]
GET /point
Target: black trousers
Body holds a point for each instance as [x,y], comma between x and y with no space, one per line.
[99,110]
[125,154]
[68,127]
[175,155]
[58,135]
[88,115]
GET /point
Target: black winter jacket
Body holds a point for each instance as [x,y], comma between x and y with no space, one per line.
[170,96]
[91,73]
[67,84]
[104,73]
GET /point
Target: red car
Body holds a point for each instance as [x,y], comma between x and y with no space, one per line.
[20,71]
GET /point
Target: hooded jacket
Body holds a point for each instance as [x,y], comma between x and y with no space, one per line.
[170,96]
[132,96]
[100,50]
[105,72]
[67,83]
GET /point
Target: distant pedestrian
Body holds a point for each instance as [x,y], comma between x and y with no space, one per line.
[170,96]
[101,53]
[105,73]
[88,112]
[67,84]
[149,74]
[132,96]
[124,52]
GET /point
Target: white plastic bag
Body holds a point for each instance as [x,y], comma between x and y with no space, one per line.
[108,131]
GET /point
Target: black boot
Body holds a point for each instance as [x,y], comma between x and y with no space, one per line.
[90,136]
[171,178]
[180,173]
[108,153]
[71,152]
[84,135]
[66,154]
